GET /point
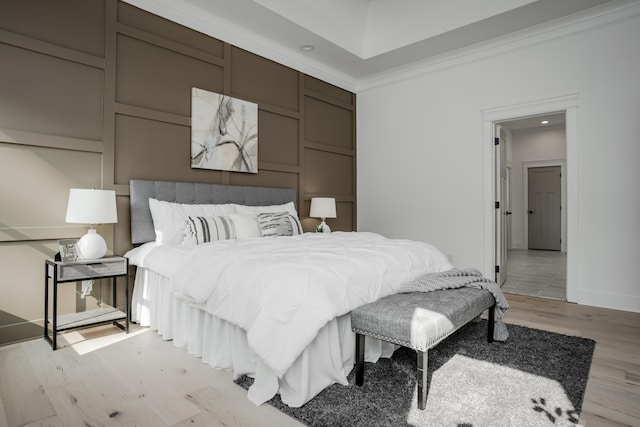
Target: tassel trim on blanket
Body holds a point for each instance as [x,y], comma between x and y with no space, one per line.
[461,278]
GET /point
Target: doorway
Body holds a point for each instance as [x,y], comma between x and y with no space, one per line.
[491,117]
[535,263]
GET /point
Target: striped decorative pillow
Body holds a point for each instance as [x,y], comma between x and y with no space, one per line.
[279,224]
[203,229]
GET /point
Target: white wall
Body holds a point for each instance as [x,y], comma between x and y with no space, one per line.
[421,158]
[527,146]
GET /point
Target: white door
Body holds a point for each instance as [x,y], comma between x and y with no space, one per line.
[501,210]
[544,208]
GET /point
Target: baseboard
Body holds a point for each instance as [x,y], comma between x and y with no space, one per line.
[608,300]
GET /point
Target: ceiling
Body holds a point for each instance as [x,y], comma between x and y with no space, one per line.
[555,119]
[356,39]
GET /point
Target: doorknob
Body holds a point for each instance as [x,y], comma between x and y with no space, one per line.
[530,212]
[507,213]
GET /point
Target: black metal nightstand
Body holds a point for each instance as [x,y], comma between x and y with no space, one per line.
[63,272]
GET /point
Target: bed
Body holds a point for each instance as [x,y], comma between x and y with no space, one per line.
[273,305]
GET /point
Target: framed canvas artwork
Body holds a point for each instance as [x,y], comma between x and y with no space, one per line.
[224,132]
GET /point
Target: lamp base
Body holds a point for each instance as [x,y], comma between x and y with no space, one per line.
[323,227]
[92,245]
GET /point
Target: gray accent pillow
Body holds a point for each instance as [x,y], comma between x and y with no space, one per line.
[279,224]
[201,229]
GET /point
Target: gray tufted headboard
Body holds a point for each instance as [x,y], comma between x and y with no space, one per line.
[192,193]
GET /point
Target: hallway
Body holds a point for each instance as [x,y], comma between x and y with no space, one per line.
[538,273]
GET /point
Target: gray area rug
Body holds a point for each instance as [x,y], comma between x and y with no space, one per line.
[536,378]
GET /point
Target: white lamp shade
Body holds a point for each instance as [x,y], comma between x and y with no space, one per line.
[92,206]
[323,207]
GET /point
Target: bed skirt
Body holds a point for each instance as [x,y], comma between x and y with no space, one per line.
[327,360]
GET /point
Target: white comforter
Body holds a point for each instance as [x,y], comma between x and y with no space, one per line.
[283,290]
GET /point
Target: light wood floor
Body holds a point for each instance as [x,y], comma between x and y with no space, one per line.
[104,377]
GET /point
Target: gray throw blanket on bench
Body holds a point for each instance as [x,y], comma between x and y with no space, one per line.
[470,278]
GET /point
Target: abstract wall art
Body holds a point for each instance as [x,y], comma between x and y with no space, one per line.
[224,132]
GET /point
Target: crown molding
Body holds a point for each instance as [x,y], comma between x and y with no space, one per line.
[582,21]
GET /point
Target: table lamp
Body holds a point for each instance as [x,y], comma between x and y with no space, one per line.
[323,207]
[92,207]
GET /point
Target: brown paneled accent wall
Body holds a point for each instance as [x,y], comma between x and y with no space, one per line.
[94,93]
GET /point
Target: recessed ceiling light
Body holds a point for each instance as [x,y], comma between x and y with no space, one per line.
[545,122]
[307,47]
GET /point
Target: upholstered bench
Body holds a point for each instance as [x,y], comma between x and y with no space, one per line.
[419,320]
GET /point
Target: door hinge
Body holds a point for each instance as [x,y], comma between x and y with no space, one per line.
[497,269]
[496,141]
[497,205]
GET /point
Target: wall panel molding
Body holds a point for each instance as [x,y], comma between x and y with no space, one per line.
[108,135]
[153,24]
[29,234]
[329,100]
[168,44]
[148,113]
[275,109]
[121,189]
[51,49]
[328,148]
[34,139]
[278,167]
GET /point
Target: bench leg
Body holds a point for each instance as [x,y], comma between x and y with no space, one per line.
[423,360]
[359,359]
[491,323]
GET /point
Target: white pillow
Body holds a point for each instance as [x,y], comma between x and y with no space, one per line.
[169,218]
[252,229]
[246,225]
[204,229]
[287,207]
[279,224]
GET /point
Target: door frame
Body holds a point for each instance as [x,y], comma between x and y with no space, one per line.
[510,209]
[502,205]
[563,199]
[568,104]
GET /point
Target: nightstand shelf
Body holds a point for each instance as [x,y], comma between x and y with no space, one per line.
[88,318]
[67,272]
